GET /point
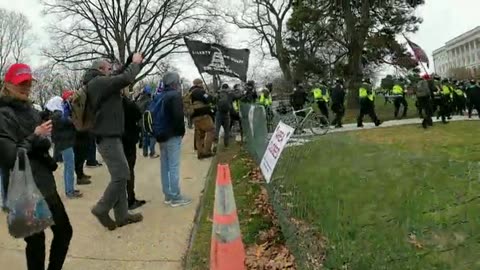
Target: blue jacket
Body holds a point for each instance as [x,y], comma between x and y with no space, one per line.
[167,114]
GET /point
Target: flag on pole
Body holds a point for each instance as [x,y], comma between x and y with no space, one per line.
[418,51]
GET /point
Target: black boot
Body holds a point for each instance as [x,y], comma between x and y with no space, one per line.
[424,124]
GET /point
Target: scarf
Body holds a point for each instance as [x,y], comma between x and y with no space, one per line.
[14,91]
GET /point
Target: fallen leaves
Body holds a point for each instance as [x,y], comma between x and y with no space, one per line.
[269,252]
[412,239]
[269,256]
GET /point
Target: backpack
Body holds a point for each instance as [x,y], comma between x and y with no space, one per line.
[224,102]
[187,103]
[154,117]
[83,117]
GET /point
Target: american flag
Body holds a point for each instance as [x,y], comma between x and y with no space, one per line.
[418,52]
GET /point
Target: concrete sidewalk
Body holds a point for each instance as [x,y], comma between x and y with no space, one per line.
[158,243]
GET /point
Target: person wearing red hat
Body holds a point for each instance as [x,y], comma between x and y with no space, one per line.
[21,127]
[63,136]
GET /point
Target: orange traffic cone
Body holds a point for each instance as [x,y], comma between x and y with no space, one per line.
[227,250]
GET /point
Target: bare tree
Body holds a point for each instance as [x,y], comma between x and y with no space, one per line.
[47,85]
[89,29]
[20,36]
[267,19]
[14,37]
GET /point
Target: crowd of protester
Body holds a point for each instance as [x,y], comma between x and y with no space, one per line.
[116,131]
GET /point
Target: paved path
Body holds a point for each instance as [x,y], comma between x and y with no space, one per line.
[158,243]
[304,138]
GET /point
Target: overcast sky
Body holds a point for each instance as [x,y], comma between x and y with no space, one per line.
[443,20]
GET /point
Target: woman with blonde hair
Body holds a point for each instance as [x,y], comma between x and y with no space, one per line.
[21,126]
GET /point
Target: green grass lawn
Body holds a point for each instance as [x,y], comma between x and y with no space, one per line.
[245,193]
[392,198]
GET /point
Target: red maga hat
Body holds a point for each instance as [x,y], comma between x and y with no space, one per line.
[18,73]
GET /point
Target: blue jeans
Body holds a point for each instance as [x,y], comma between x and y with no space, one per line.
[148,144]
[170,168]
[69,170]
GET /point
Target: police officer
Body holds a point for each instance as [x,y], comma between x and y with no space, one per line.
[266,101]
[473,97]
[367,105]
[250,95]
[444,111]
[321,97]
[459,98]
[399,98]
[436,96]
[338,102]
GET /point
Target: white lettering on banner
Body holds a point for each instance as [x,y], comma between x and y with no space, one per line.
[277,143]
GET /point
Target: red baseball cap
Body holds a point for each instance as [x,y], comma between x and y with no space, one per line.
[18,73]
[67,94]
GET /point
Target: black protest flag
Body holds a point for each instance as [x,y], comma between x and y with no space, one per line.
[216,59]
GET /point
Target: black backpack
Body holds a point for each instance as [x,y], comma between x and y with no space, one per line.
[224,102]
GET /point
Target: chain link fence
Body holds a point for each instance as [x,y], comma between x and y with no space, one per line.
[367,206]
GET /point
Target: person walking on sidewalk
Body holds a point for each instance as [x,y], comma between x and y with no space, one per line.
[169,129]
[424,94]
[104,95]
[202,120]
[130,139]
[92,161]
[81,153]
[367,103]
[21,126]
[63,136]
[338,102]
[149,142]
[222,119]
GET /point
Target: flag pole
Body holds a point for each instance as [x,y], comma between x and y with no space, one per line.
[415,55]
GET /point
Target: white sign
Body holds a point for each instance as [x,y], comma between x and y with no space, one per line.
[275,147]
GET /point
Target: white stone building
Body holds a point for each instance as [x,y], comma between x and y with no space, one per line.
[462,51]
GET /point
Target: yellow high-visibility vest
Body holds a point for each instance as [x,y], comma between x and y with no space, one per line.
[397,89]
[445,90]
[319,94]
[363,93]
[265,101]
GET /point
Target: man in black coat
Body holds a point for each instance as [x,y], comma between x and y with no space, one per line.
[104,95]
[130,139]
[338,102]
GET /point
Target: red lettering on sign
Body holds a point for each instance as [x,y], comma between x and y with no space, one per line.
[274,150]
[280,136]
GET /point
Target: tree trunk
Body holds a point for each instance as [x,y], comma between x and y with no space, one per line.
[355,73]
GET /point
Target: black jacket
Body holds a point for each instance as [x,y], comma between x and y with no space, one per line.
[106,91]
[338,94]
[63,133]
[298,98]
[132,118]
[200,95]
[18,121]
[174,115]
